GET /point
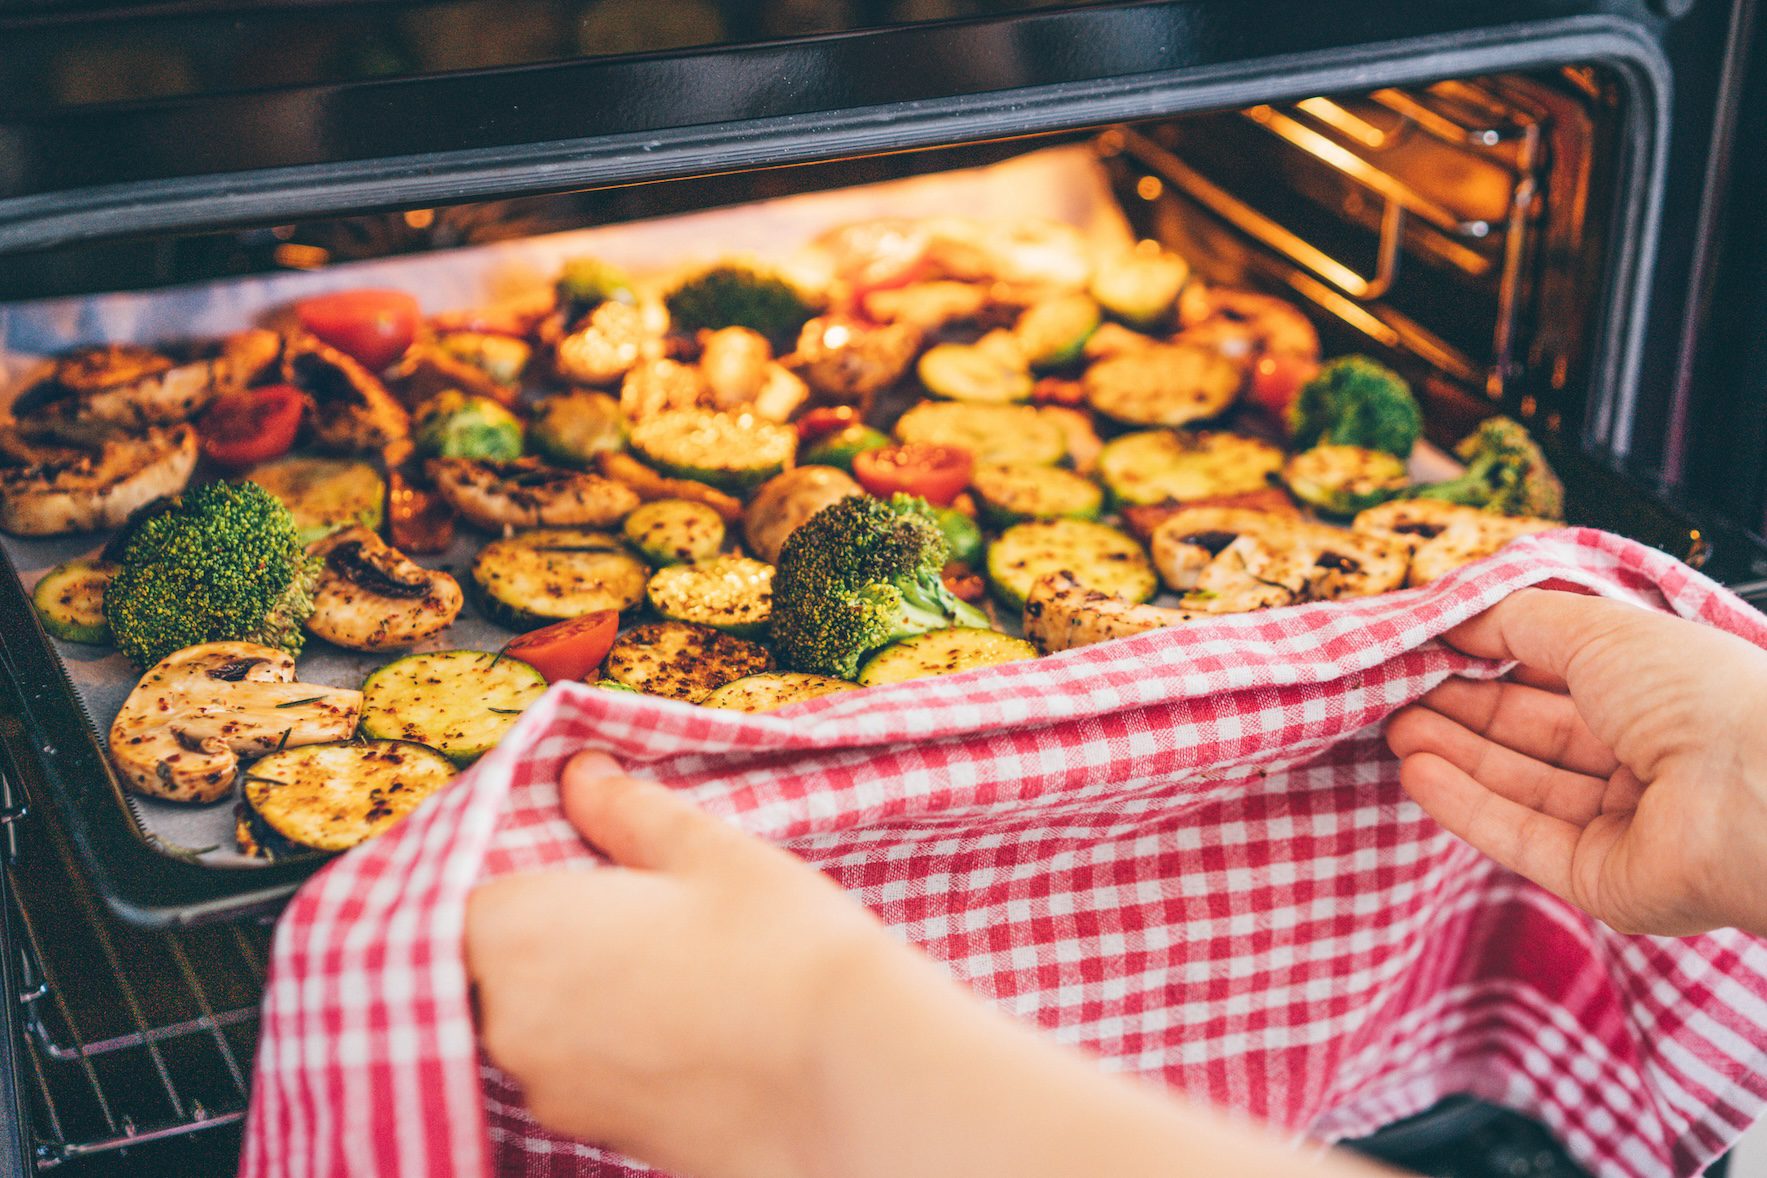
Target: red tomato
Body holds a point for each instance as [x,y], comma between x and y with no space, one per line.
[567,650]
[244,428]
[819,423]
[935,473]
[371,326]
[1276,378]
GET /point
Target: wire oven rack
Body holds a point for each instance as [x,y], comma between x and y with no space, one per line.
[129,1036]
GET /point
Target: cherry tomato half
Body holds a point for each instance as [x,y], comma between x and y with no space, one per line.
[819,423]
[567,650]
[1276,378]
[244,428]
[937,474]
[373,327]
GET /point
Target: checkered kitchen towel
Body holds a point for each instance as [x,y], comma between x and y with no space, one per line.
[1186,851]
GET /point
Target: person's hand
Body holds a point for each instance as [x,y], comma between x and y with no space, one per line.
[1623,766]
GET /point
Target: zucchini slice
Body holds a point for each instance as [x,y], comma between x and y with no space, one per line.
[964,372]
[1141,288]
[69,601]
[674,531]
[1168,384]
[1098,557]
[991,433]
[570,429]
[550,574]
[332,796]
[1054,332]
[1345,480]
[731,451]
[325,494]
[459,702]
[771,690]
[680,661]
[942,652]
[1161,466]
[1012,492]
[729,593]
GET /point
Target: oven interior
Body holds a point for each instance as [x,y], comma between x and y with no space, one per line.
[1462,231]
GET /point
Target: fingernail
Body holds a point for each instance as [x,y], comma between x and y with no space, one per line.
[593,765]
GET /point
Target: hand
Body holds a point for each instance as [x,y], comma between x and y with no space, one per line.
[1623,767]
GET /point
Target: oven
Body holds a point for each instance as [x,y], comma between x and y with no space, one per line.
[1520,205]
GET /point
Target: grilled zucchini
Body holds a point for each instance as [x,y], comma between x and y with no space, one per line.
[680,661]
[1161,466]
[69,601]
[1012,492]
[550,574]
[991,433]
[1168,384]
[964,372]
[729,593]
[772,690]
[1344,480]
[570,429]
[1142,287]
[325,494]
[459,702]
[942,652]
[674,531]
[731,451]
[1098,557]
[1054,332]
[330,797]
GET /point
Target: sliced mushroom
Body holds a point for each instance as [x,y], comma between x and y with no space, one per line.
[55,490]
[371,596]
[785,501]
[184,729]
[1061,613]
[123,386]
[1230,560]
[1443,536]
[352,412]
[850,361]
[528,494]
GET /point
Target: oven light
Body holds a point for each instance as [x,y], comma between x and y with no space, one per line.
[420,218]
[1149,188]
[836,335]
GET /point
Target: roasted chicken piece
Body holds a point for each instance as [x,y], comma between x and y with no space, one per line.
[52,490]
[371,596]
[1061,613]
[124,386]
[528,494]
[848,361]
[352,412]
[657,386]
[1230,560]
[183,729]
[604,347]
[1443,536]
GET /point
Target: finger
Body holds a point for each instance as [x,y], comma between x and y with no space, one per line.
[1534,677]
[1526,841]
[634,823]
[1536,723]
[1545,629]
[1558,793]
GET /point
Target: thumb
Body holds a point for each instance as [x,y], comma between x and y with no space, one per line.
[634,823]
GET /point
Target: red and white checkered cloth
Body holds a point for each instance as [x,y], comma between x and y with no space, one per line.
[1186,851]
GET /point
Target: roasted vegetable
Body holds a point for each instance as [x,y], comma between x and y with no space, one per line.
[1012,492]
[527,493]
[963,539]
[650,486]
[772,690]
[674,531]
[604,348]
[325,494]
[860,574]
[1159,466]
[372,597]
[572,428]
[729,593]
[586,283]
[680,661]
[1167,384]
[351,410]
[1054,332]
[69,601]
[730,451]
[1505,473]
[1342,480]
[942,652]
[550,574]
[974,375]
[459,702]
[503,358]
[991,433]
[53,490]
[454,425]
[740,296]
[838,449]
[223,564]
[331,797]
[785,501]
[1141,287]
[1356,401]
[1099,557]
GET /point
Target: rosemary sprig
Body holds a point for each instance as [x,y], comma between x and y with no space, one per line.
[300,703]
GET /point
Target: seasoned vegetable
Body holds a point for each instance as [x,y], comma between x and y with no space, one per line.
[963,540]
[680,661]
[550,574]
[772,690]
[224,563]
[1012,492]
[349,410]
[372,597]
[1054,332]
[731,451]
[1355,401]
[331,797]
[604,347]
[248,426]
[1141,288]
[859,575]
[937,474]
[569,649]
[1505,472]
[650,486]
[1097,556]
[325,494]
[740,296]
[570,429]
[1342,480]
[69,600]
[991,433]
[500,357]
[1161,465]
[942,652]
[729,593]
[527,493]
[966,372]
[373,327]
[674,531]
[839,448]
[785,501]
[585,283]
[51,490]
[459,702]
[454,425]
[1168,384]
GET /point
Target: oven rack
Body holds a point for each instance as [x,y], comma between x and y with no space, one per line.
[129,1036]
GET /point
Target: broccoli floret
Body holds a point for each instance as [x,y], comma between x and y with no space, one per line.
[860,574]
[739,296]
[1355,401]
[586,283]
[1505,472]
[223,563]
